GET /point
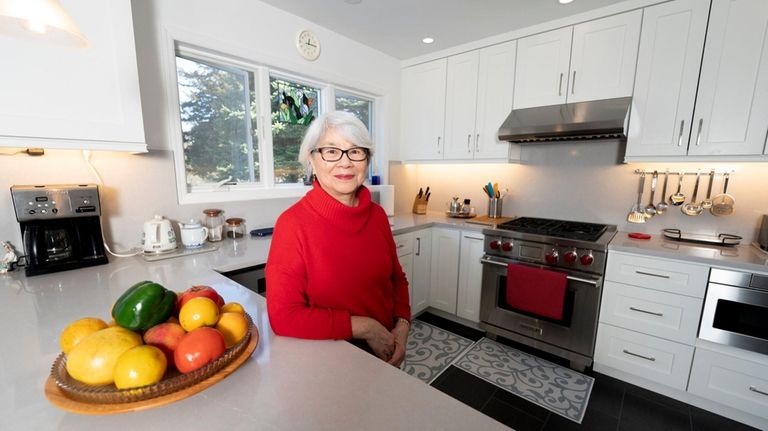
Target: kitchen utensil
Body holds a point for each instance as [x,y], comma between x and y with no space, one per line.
[662,206]
[158,236]
[707,202]
[193,234]
[637,213]
[678,198]
[722,204]
[692,208]
[650,209]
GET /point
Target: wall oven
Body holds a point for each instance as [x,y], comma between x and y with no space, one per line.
[736,310]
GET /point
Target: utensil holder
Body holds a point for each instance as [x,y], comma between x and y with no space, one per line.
[420,205]
[494,207]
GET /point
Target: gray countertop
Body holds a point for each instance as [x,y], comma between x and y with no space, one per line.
[288,383]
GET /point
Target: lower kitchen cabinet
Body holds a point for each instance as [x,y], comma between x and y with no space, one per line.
[404,246]
[445,269]
[421,270]
[470,276]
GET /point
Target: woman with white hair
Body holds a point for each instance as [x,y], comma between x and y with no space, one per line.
[332,270]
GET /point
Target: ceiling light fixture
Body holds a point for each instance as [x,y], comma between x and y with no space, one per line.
[428,40]
[40,19]
[564,1]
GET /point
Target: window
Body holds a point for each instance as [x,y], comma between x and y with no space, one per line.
[218,123]
[361,106]
[294,106]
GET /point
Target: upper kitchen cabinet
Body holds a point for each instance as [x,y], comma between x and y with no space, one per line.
[590,61]
[731,113]
[668,63]
[478,99]
[728,116]
[70,98]
[423,110]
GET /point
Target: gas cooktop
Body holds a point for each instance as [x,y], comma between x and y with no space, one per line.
[556,228]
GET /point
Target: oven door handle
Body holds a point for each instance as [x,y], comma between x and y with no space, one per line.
[569,277]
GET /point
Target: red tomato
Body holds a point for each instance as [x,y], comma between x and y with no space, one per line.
[197,348]
[195,291]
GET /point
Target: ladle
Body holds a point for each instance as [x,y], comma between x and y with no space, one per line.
[707,202]
[650,209]
[722,204]
[678,198]
[692,208]
[637,214]
[662,206]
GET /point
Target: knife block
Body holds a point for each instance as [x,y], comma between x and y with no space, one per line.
[420,205]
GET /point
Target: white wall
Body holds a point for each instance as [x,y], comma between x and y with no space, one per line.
[138,186]
[585,181]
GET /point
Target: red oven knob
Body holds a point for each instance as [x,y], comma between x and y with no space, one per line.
[507,246]
[495,245]
[552,257]
[587,259]
[571,256]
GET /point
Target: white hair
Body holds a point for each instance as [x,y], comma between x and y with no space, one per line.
[345,124]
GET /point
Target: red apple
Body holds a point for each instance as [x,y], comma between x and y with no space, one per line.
[197,291]
[165,336]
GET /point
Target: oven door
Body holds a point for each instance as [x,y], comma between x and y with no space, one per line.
[575,333]
[736,316]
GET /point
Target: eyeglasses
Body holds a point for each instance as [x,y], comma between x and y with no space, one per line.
[333,154]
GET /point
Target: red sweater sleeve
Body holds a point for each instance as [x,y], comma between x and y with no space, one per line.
[289,311]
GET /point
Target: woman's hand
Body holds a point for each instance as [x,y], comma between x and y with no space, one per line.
[381,341]
[400,332]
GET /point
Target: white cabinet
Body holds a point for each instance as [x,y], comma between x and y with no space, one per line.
[404,246]
[423,110]
[649,316]
[470,276]
[478,99]
[669,57]
[445,269]
[59,97]
[731,113]
[421,272]
[590,61]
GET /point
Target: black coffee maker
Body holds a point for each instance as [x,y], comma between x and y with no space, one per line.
[60,226]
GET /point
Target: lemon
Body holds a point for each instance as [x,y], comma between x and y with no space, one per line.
[198,312]
[140,366]
[92,361]
[79,329]
[233,326]
[232,307]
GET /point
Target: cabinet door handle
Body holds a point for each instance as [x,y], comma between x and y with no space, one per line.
[680,136]
[640,310]
[647,358]
[652,274]
[573,83]
[560,86]
[469,147]
[754,389]
[698,135]
[438,145]
[477,143]
[532,328]
[418,246]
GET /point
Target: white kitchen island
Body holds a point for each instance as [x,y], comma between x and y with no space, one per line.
[288,383]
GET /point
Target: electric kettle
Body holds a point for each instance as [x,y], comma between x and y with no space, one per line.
[158,236]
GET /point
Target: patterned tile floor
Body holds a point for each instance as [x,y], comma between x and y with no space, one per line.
[613,405]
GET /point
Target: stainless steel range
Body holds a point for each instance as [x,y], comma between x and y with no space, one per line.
[575,249]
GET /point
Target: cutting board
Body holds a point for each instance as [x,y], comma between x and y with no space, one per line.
[489,221]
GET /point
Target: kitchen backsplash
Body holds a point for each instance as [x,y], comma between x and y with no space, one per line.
[586,181]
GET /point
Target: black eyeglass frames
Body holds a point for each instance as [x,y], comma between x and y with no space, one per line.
[333,154]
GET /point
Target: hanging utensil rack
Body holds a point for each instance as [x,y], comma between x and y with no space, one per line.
[685,172]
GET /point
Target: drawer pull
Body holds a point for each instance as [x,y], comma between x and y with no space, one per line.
[531,328]
[651,274]
[640,310]
[754,389]
[647,358]
[400,245]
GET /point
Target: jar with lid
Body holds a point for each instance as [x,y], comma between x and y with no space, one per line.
[235,228]
[213,219]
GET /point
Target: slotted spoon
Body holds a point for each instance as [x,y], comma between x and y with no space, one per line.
[722,204]
[662,206]
[707,202]
[693,208]
[637,213]
[650,209]
[678,198]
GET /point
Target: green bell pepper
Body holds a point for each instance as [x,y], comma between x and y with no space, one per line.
[144,305]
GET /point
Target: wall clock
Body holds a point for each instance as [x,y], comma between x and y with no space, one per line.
[308,45]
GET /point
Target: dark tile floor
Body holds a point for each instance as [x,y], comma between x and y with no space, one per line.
[614,405]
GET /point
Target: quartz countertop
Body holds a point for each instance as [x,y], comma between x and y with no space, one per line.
[743,256]
[288,383]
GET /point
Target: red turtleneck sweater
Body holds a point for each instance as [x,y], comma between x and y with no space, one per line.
[327,262]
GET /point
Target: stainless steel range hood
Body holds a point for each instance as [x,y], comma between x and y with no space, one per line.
[599,119]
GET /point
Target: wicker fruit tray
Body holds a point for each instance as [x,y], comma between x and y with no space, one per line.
[71,395]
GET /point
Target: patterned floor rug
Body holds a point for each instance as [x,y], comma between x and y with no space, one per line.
[430,350]
[556,388]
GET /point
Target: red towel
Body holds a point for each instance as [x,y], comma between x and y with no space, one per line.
[536,291]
